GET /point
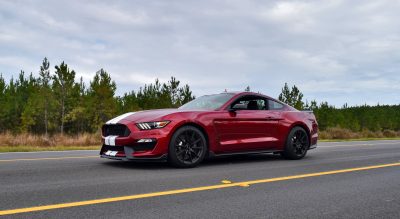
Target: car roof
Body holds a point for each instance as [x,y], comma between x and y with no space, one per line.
[237,93]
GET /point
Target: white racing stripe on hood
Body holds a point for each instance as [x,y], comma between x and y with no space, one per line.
[119,118]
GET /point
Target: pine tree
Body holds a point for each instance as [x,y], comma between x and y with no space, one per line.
[45,91]
[173,86]
[185,94]
[65,90]
[293,97]
[27,108]
[78,117]
[3,102]
[2,85]
[102,102]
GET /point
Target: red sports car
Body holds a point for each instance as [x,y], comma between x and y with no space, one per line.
[211,125]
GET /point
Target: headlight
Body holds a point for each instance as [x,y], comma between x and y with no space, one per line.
[152,125]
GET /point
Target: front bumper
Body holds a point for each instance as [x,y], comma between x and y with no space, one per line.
[139,145]
[128,153]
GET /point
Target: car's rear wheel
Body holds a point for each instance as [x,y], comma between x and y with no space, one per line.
[297,144]
[188,147]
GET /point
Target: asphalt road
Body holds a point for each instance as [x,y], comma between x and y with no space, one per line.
[256,186]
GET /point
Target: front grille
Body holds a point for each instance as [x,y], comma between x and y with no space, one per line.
[116,130]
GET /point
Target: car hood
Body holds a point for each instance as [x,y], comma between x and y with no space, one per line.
[149,115]
[146,116]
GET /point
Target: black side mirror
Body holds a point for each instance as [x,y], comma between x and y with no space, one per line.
[232,110]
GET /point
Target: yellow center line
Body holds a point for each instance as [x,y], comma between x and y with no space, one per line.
[348,145]
[188,190]
[47,158]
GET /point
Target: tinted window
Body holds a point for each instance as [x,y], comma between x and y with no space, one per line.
[250,103]
[208,102]
[273,105]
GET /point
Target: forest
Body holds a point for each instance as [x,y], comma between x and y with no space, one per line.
[352,118]
[56,102]
[60,103]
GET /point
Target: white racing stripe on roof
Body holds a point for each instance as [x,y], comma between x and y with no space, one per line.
[119,118]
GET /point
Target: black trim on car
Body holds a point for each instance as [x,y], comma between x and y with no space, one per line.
[119,130]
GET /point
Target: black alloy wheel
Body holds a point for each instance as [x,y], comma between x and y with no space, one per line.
[297,144]
[187,147]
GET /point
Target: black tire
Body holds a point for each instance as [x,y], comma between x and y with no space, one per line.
[187,148]
[297,144]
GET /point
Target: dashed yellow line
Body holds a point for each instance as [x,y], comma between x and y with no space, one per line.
[354,145]
[47,158]
[188,190]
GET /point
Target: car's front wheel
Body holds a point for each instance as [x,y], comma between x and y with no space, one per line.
[297,144]
[188,147]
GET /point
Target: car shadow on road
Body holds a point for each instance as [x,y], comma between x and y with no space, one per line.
[150,165]
[240,159]
[209,162]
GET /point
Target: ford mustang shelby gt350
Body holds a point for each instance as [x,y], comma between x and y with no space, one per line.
[211,125]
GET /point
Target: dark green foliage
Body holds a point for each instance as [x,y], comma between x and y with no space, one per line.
[66,91]
[358,118]
[56,103]
[101,101]
[293,97]
[355,118]
[156,96]
[3,113]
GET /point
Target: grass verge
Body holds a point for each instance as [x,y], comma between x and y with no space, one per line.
[26,142]
[42,148]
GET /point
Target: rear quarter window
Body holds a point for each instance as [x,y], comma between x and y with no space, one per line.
[273,105]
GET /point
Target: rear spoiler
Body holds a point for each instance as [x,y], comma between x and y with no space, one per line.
[307,111]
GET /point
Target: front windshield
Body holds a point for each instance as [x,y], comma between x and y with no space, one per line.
[208,102]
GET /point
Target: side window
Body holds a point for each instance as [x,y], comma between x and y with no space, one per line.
[250,103]
[261,103]
[273,105]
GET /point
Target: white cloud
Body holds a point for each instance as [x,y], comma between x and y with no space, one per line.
[334,50]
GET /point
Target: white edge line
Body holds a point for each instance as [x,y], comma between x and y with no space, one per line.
[66,151]
[32,152]
[338,142]
[357,145]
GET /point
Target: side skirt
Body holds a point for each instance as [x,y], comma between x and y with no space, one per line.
[212,154]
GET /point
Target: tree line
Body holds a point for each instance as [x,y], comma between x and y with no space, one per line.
[355,118]
[56,102]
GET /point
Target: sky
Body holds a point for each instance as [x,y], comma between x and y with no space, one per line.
[332,50]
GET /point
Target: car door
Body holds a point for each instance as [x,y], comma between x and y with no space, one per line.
[247,129]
